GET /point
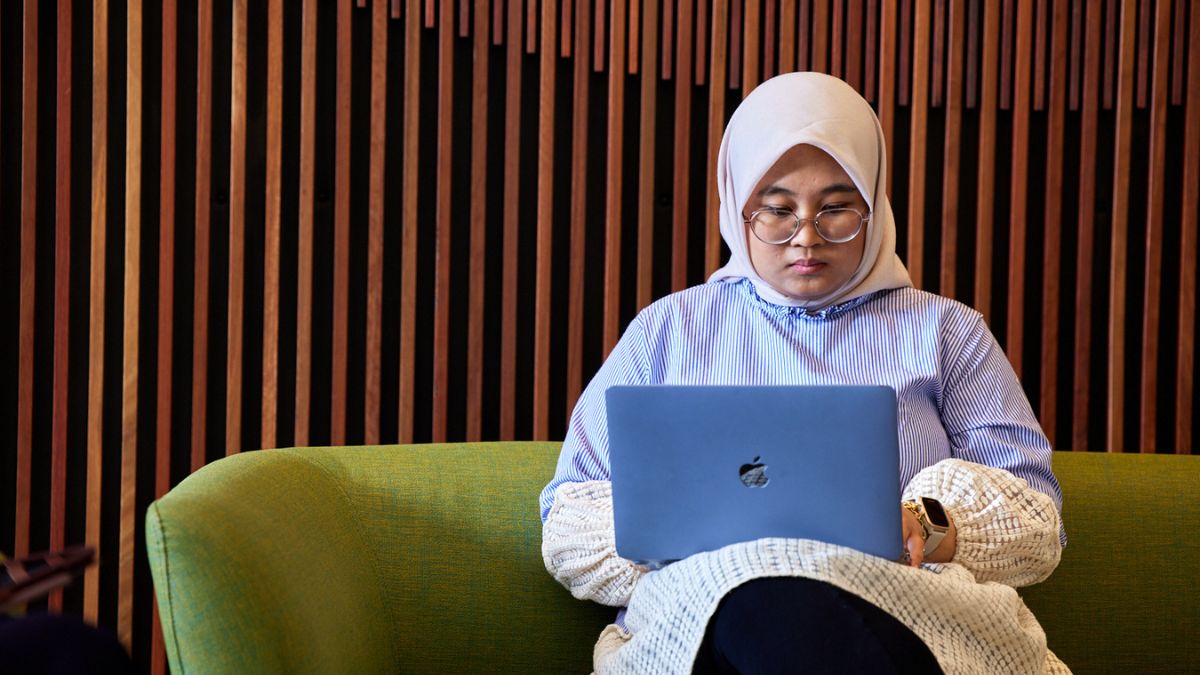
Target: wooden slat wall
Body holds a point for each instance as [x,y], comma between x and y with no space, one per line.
[1019,119]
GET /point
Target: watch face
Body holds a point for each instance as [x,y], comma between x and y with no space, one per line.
[935,512]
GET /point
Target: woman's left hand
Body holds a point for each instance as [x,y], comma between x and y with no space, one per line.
[914,541]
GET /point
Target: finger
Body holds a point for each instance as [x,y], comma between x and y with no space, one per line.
[916,550]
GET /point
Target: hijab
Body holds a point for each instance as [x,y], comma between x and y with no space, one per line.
[823,111]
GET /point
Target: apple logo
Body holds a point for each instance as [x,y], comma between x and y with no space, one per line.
[754,474]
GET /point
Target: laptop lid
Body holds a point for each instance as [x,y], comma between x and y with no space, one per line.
[695,468]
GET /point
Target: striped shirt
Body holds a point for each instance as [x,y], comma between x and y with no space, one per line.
[957,393]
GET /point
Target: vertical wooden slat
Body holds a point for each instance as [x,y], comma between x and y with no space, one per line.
[395,9]
[24,476]
[635,32]
[1115,431]
[972,54]
[374,318]
[441,292]
[803,30]
[1018,192]
[819,36]
[512,214]
[647,133]
[497,22]
[855,45]
[304,242]
[1185,363]
[1076,57]
[905,73]
[129,393]
[96,302]
[1154,229]
[716,126]
[887,82]
[735,45]
[937,83]
[986,179]
[702,11]
[770,38]
[1052,222]
[1178,51]
[579,209]
[950,175]
[1088,144]
[430,13]
[682,186]
[565,29]
[836,38]
[667,41]
[1143,53]
[787,36]
[200,280]
[530,26]
[1039,57]
[598,45]
[62,289]
[464,17]
[479,159]
[1006,56]
[545,218]
[872,55]
[751,39]
[237,231]
[614,178]
[341,221]
[270,350]
[1110,52]
[408,244]
[917,138]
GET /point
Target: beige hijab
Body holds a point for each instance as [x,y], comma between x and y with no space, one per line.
[820,110]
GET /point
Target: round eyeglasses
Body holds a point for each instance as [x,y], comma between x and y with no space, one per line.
[779,226]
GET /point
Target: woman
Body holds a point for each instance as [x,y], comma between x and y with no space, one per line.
[815,294]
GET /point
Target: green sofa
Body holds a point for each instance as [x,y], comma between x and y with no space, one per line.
[427,559]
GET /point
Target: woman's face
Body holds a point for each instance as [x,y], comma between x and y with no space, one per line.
[806,180]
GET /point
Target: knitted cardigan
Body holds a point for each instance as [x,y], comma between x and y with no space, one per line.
[966,611]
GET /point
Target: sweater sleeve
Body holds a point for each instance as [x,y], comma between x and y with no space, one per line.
[579,545]
[1008,532]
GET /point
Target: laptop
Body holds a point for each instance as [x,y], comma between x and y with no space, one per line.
[695,468]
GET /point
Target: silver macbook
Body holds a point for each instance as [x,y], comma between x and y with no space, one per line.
[695,468]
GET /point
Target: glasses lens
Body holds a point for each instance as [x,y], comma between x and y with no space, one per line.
[839,225]
[773,226]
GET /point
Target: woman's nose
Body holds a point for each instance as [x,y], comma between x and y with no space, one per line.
[807,235]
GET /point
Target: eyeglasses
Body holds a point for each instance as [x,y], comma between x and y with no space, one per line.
[778,226]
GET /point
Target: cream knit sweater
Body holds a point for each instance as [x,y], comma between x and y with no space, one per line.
[966,611]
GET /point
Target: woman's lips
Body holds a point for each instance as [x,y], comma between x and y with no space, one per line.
[805,266]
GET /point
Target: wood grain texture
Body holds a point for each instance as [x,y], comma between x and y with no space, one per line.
[751,40]
[1086,230]
[666,41]
[271,224]
[716,126]
[564,30]
[479,213]
[1111,48]
[770,38]
[819,36]
[937,81]
[635,32]
[544,252]
[512,215]
[837,33]
[441,287]
[1006,56]
[1179,51]
[804,32]
[200,262]
[951,154]
[1039,56]
[408,244]
[870,76]
[681,184]
[581,93]
[530,26]
[1076,57]
[736,49]
[702,12]
[132,321]
[646,155]
[972,65]
[24,468]
[787,35]
[237,232]
[1142,79]
[905,31]
[854,40]
[1118,268]
[598,45]
[1155,226]
[1019,192]
[1052,222]
[1186,346]
[614,180]
[375,206]
[304,238]
[986,173]
[918,125]
[886,107]
[341,222]
[96,303]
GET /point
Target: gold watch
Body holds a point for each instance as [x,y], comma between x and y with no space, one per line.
[933,519]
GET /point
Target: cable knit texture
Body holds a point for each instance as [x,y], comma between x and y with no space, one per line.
[966,611]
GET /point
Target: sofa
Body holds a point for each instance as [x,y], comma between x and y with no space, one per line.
[426,559]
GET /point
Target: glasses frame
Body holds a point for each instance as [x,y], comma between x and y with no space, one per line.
[815,220]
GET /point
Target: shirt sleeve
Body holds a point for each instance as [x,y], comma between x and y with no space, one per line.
[987,417]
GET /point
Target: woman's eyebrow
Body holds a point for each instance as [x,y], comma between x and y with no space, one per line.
[835,188]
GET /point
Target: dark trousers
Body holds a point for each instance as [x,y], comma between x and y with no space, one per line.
[46,643]
[794,625]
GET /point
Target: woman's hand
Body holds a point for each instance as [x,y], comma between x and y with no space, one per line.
[914,541]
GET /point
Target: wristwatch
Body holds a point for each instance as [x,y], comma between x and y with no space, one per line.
[933,519]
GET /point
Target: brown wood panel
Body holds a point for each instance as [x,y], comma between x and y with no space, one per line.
[972,83]
[702,10]
[735,45]
[1178,52]
[1039,56]
[62,289]
[598,46]
[1086,226]
[681,187]
[565,29]
[96,302]
[872,56]
[614,179]
[804,33]
[854,43]
[1019,191]
[917,138]
[951,156]
[905,34]
[985,186]
[1006,57]
[543,280]
[395,9]
[464,17]
[1143,54]
[1118,268]
[787,36]
[770,39]
[530,26]
[937,83]
[430,13]
[635,9]
[1155,236]
[1052,222]
[646,154]
[1111,49]
[271,233]
[24,473]
[512,215]
[441,289]
[1076,53]
[408,244]
[716,126]
[1186,346]
[837,33]
[341,219]
[200,263]
[479,159]
[132,322]
[304,243]
[666,41]
[819,36]
[886,108]
[375,206]
[579,208]
[237,232]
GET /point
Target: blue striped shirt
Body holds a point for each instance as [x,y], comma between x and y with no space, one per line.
[957,393]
